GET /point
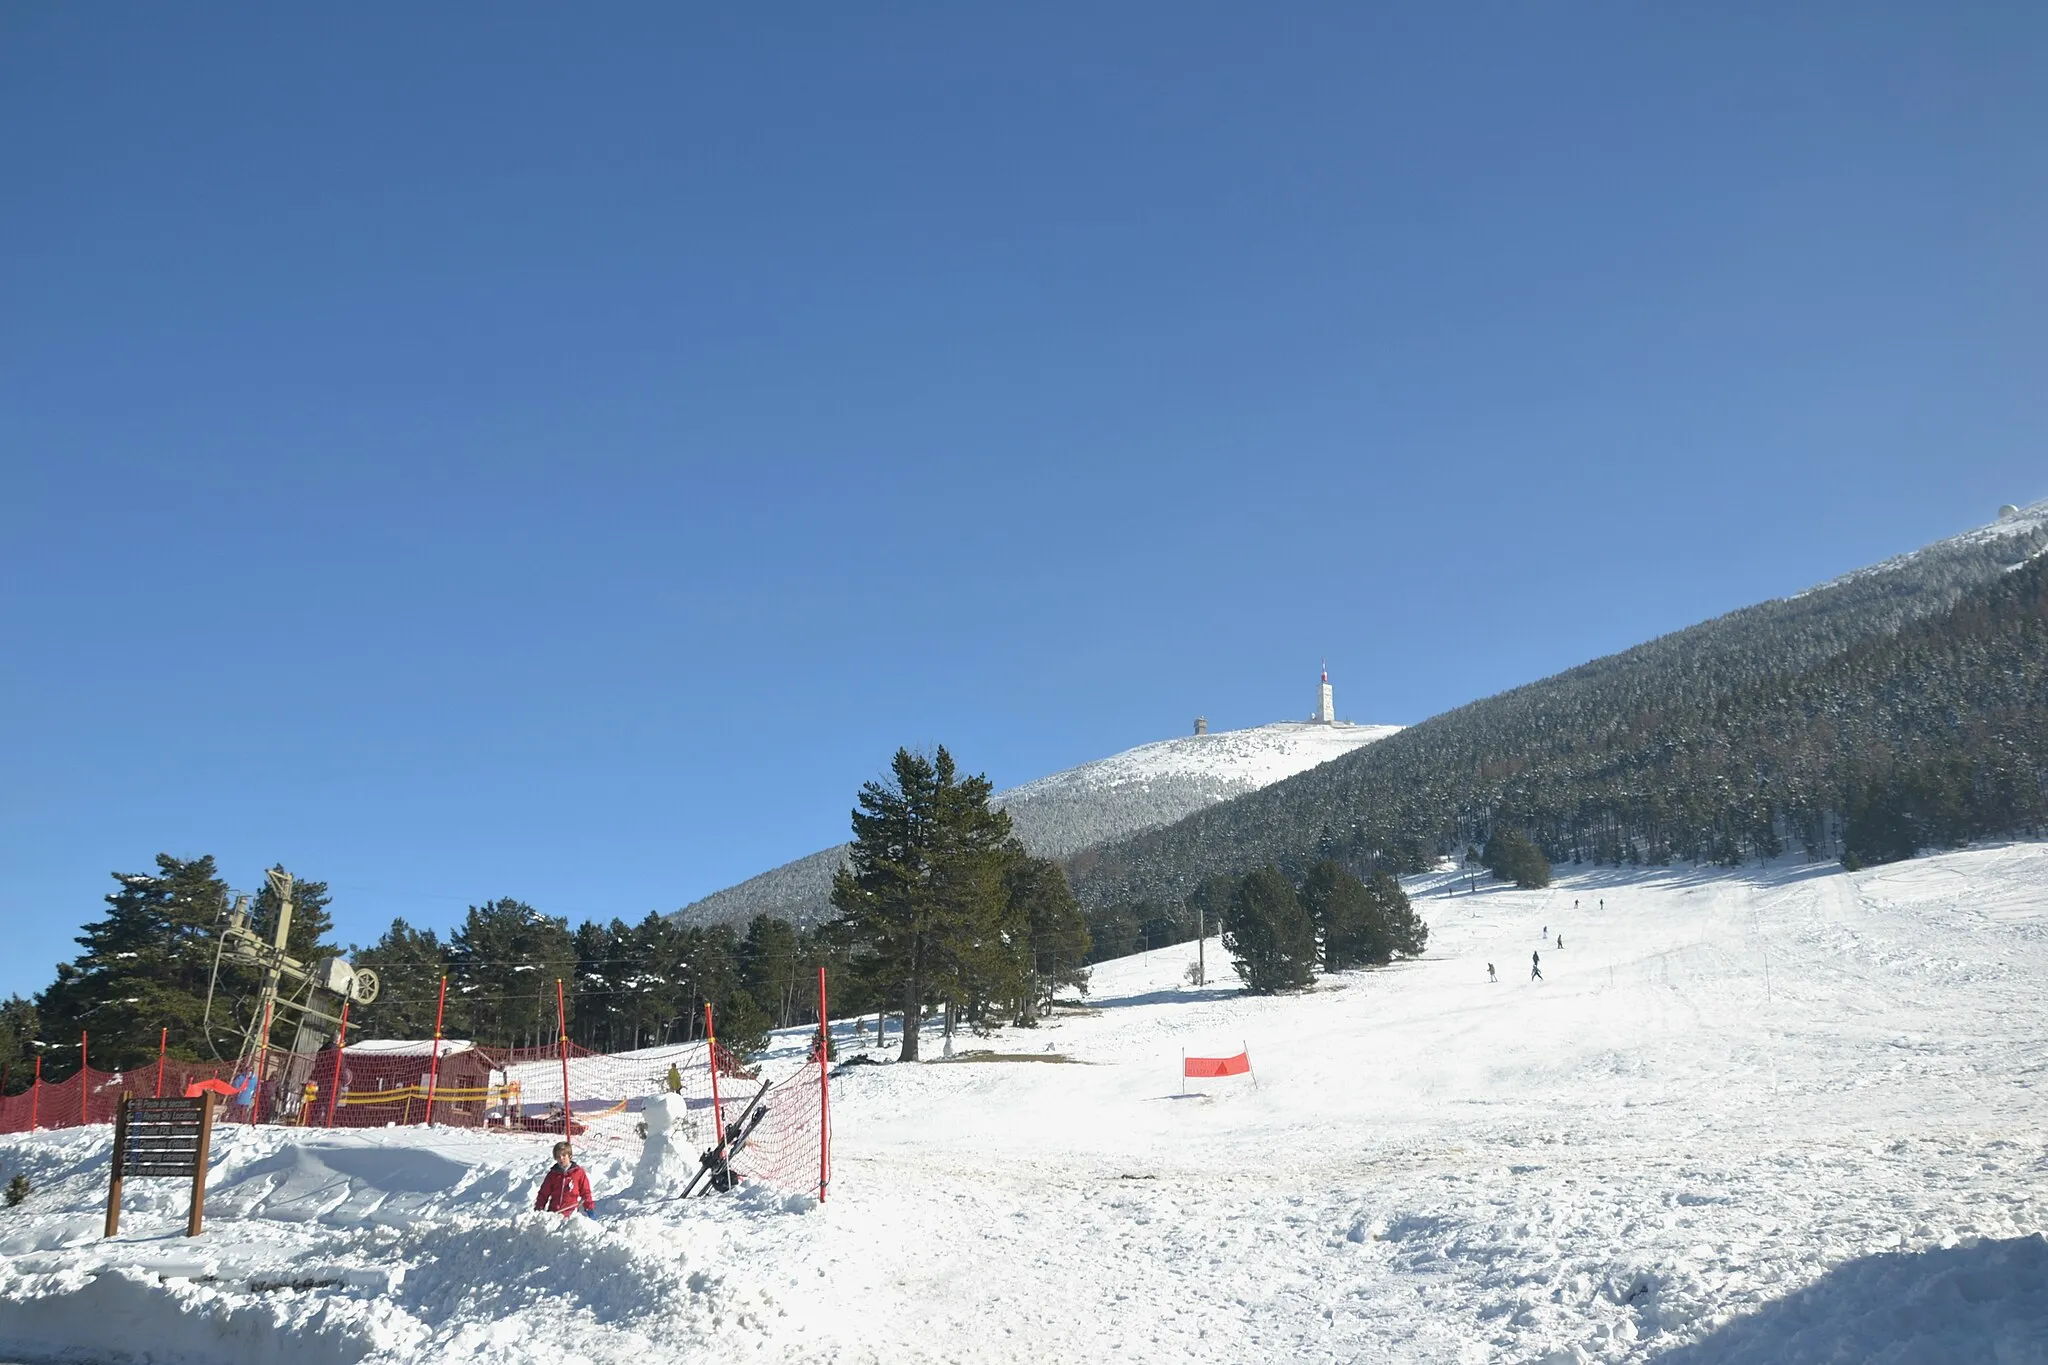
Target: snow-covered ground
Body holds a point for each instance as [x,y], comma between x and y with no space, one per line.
[1788,1114]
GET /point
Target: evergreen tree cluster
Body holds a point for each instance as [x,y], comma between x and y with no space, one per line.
[624,986]
[147,964]
[940,904]
[1279,935]
[18,1035]
[1513,856]
[1902,708]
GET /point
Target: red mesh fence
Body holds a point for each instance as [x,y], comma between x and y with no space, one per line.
[376,1084]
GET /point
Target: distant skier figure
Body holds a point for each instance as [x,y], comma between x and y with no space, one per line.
[1535,966]
[1489,973]
[565,1187]
[1560,940]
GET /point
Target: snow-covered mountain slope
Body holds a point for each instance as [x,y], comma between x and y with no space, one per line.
[2025,525]
[1786,1115]
[1110,798]
[1156,784]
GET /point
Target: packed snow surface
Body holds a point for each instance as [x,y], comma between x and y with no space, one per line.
[1780,1115]
[1100,802]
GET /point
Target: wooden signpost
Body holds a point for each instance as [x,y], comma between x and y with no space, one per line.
[162,1138]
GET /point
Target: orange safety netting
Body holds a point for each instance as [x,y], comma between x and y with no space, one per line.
[379,1084]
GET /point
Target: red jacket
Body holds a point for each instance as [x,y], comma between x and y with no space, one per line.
[564,1189]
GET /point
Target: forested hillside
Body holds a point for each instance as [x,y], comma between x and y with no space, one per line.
[1901,706]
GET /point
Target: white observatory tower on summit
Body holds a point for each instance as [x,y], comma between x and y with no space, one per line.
[1326,705]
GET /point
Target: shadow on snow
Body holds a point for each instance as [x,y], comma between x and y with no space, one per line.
[1984,1302]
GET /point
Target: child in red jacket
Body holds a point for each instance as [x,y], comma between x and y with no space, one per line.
[565,1186]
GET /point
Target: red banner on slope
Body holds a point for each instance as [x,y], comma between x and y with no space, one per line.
[1217,1066]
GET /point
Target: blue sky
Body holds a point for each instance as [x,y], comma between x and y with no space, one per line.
[504,451]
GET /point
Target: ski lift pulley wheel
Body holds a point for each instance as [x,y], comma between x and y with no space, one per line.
[362,988]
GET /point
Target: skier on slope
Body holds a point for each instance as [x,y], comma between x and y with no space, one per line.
[565,1186]
[1535,966]
[1489,973]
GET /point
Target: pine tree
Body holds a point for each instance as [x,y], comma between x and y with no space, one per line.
[145,967]
[1113,931]
[1269,934]
[768,962]
[1393,929]
[1056,934]
[311,922]
[1336,900]
[983,957]
[921,897]
[502,967]
[708,969]
[1513,857]
[410,964]
[742,1024]
[655,990]
[18,1032]
[597,1014]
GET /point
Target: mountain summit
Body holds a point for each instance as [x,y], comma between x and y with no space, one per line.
[1100,802]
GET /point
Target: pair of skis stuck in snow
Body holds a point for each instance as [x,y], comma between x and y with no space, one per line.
[717,1160]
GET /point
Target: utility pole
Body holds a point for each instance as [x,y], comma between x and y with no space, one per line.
[1201,946]
[281,891]
[309,993]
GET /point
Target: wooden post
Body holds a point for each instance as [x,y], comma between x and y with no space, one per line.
[197,1218]
[120,1160]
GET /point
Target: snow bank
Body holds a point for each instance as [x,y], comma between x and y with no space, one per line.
[1789,1114]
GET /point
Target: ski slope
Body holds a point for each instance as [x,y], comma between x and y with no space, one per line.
[1789,1114]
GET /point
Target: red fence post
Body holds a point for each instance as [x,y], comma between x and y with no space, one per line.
[562,1031]
[163,1041]
[824,1087]
[84,1081]
[711,1045]
[434,1066]
[35,1092]
[340,1043]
